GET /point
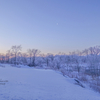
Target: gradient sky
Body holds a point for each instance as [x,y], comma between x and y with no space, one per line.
[52,26]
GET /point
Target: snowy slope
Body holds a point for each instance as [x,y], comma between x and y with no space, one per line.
[40,84]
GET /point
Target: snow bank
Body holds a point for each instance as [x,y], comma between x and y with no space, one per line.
[40,84]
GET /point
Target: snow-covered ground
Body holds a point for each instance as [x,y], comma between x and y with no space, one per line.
[39,84]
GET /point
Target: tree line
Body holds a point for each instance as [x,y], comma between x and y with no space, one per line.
[89,57]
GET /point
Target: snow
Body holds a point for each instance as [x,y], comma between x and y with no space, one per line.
[27,83]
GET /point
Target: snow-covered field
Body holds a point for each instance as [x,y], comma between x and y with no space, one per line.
[27,83]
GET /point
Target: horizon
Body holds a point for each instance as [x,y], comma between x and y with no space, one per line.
[96,50]
[49,26]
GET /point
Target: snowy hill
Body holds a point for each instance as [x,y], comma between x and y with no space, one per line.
[40,84]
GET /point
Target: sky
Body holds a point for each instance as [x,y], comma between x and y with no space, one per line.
[52,26]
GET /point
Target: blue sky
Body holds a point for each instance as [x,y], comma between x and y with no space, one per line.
[51,26]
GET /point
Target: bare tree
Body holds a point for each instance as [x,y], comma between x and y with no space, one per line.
[24,58]
[32,54]
[2,58]
[35,53]
[15,51]
[8,56]
[46,60]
